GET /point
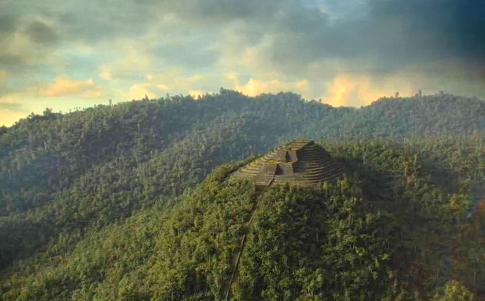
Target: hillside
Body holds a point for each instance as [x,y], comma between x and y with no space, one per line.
[48,153]
[365,237]
[90,200]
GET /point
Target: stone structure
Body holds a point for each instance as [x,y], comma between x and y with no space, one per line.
[300,162]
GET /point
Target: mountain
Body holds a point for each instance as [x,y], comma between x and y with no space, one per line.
[93,204]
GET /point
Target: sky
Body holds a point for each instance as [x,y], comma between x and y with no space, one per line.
[66,54]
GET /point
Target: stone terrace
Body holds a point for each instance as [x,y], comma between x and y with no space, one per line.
[300,162]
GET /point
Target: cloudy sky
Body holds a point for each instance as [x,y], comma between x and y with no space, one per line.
[64,54]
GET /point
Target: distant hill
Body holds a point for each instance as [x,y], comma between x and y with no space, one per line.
[112,177]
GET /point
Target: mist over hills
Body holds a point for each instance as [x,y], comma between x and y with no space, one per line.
[88,198]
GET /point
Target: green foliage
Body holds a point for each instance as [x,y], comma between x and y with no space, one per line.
[454,291]
[152,253]
[100,204]
[317,245]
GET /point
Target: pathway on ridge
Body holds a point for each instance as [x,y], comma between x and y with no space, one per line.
[247,226]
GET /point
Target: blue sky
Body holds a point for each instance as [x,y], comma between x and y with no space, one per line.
[67,54]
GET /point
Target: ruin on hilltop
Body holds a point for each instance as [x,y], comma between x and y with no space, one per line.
[299,162]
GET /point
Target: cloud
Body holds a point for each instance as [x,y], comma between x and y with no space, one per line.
[302,84]
[381,38]
[134,59]
[11,109]
[104,72]
[345,91]
[63,85]
[191,52]
[41,33]
[337,50]
[176,81]
[10,106]
[10,101]
[2,75]
[391,36]
[28,42]
[8,23]
[231,76]
[9,117]
[139,90]
[255,87]
[196,93]
[61,93]
[359,89]
[130,62]
[105,75]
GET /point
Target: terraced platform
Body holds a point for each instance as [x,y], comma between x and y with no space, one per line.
[299,162]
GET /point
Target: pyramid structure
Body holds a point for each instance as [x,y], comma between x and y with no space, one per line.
[299,162]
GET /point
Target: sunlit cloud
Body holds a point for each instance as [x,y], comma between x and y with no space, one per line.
[231,76]
[10,100]
[176,82]
[2,75]
[105,75]
[11,108]
[92,94]
[196,93]
[127,62]
[104,72]
[302,84]
[360,90]
[62,93]
[139,91]
[255,87]
[8,117]
[338,92]
[135,59]
[64,85]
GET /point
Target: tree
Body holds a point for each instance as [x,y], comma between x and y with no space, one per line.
[47,112]
[454,291]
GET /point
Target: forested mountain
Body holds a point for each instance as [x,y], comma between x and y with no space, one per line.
[92,204]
